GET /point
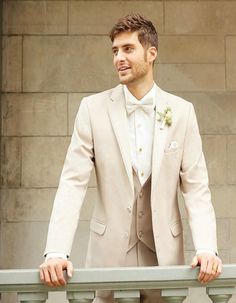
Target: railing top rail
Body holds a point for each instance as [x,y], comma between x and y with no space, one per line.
[116,278]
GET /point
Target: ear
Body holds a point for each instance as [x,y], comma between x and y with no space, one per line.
[151,54]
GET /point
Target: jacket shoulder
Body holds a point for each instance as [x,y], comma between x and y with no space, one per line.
[181,108]
[177,100]
[98,98]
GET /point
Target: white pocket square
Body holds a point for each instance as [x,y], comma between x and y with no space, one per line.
[173,146]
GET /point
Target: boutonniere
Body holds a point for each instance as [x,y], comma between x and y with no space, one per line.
[165,117]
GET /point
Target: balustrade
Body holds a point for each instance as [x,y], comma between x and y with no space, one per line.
[172,281]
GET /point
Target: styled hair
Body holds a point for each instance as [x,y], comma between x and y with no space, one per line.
[147,33]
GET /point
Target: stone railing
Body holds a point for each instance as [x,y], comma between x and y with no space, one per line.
[173,281]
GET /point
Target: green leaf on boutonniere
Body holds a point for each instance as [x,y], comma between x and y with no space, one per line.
[165,117]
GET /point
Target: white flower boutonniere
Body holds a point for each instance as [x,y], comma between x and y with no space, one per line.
[166,117]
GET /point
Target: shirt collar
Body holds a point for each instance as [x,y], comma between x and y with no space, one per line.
[151,95]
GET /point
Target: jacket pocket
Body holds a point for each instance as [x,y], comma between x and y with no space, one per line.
[168,151]
[97,226]
[176,228]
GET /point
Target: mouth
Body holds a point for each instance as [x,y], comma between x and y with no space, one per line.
[123,68]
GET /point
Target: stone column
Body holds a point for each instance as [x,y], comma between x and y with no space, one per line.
[127,296]
[220,294]
[80,296]
[32,297]
[174,295]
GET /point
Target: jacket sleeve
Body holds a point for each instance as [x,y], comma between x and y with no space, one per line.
[195,189]
[72,186]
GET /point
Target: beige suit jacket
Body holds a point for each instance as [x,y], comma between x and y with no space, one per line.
[100,139]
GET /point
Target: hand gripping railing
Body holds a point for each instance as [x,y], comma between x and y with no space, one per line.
[173,281]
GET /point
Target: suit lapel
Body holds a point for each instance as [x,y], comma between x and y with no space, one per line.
[160,135]
[118,117]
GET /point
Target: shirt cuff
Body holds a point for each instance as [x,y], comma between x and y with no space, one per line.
[205,251]
[56,255]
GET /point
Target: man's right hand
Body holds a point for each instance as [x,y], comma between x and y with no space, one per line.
[51,271]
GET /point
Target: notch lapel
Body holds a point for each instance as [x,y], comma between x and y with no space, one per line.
[118,117]
[160,135]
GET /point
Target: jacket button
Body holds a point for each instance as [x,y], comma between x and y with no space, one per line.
[140,194]
[126,234]
[140,234]
[129,209]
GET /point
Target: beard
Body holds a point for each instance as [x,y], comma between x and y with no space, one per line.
[136,73]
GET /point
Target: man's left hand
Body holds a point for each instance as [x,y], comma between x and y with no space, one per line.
[210,267]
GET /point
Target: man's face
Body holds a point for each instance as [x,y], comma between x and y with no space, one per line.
[130,58]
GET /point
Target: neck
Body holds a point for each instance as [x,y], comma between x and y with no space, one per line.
[139,90]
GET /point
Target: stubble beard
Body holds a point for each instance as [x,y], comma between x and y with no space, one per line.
[139,73]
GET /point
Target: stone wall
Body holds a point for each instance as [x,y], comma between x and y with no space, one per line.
[56,52]
[0,101]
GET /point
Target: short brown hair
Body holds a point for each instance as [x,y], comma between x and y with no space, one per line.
[147,33]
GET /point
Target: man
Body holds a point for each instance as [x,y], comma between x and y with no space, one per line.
[144,144]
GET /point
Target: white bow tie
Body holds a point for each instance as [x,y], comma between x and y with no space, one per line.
[147,107]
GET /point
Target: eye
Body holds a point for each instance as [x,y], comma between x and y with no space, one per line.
[115,52]
[128,49]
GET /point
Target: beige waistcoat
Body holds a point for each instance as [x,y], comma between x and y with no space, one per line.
[141,227]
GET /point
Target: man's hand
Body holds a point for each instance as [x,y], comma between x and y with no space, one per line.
[210,267]
[51,271]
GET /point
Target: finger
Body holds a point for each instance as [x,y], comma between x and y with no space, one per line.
[59,274]
[219,269]
[202,269]
[41,274]
[209,271]
[215,265]
[47,278]
[214,272]
[194,261]
[69,269]
[53,275]
[209,278]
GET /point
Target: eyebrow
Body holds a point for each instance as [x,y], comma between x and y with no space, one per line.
[125,45]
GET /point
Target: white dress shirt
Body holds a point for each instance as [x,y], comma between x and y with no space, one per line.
[141,130]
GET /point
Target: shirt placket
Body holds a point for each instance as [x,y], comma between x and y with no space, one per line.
[139,145]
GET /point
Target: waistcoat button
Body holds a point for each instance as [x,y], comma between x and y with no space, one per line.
[140,214]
